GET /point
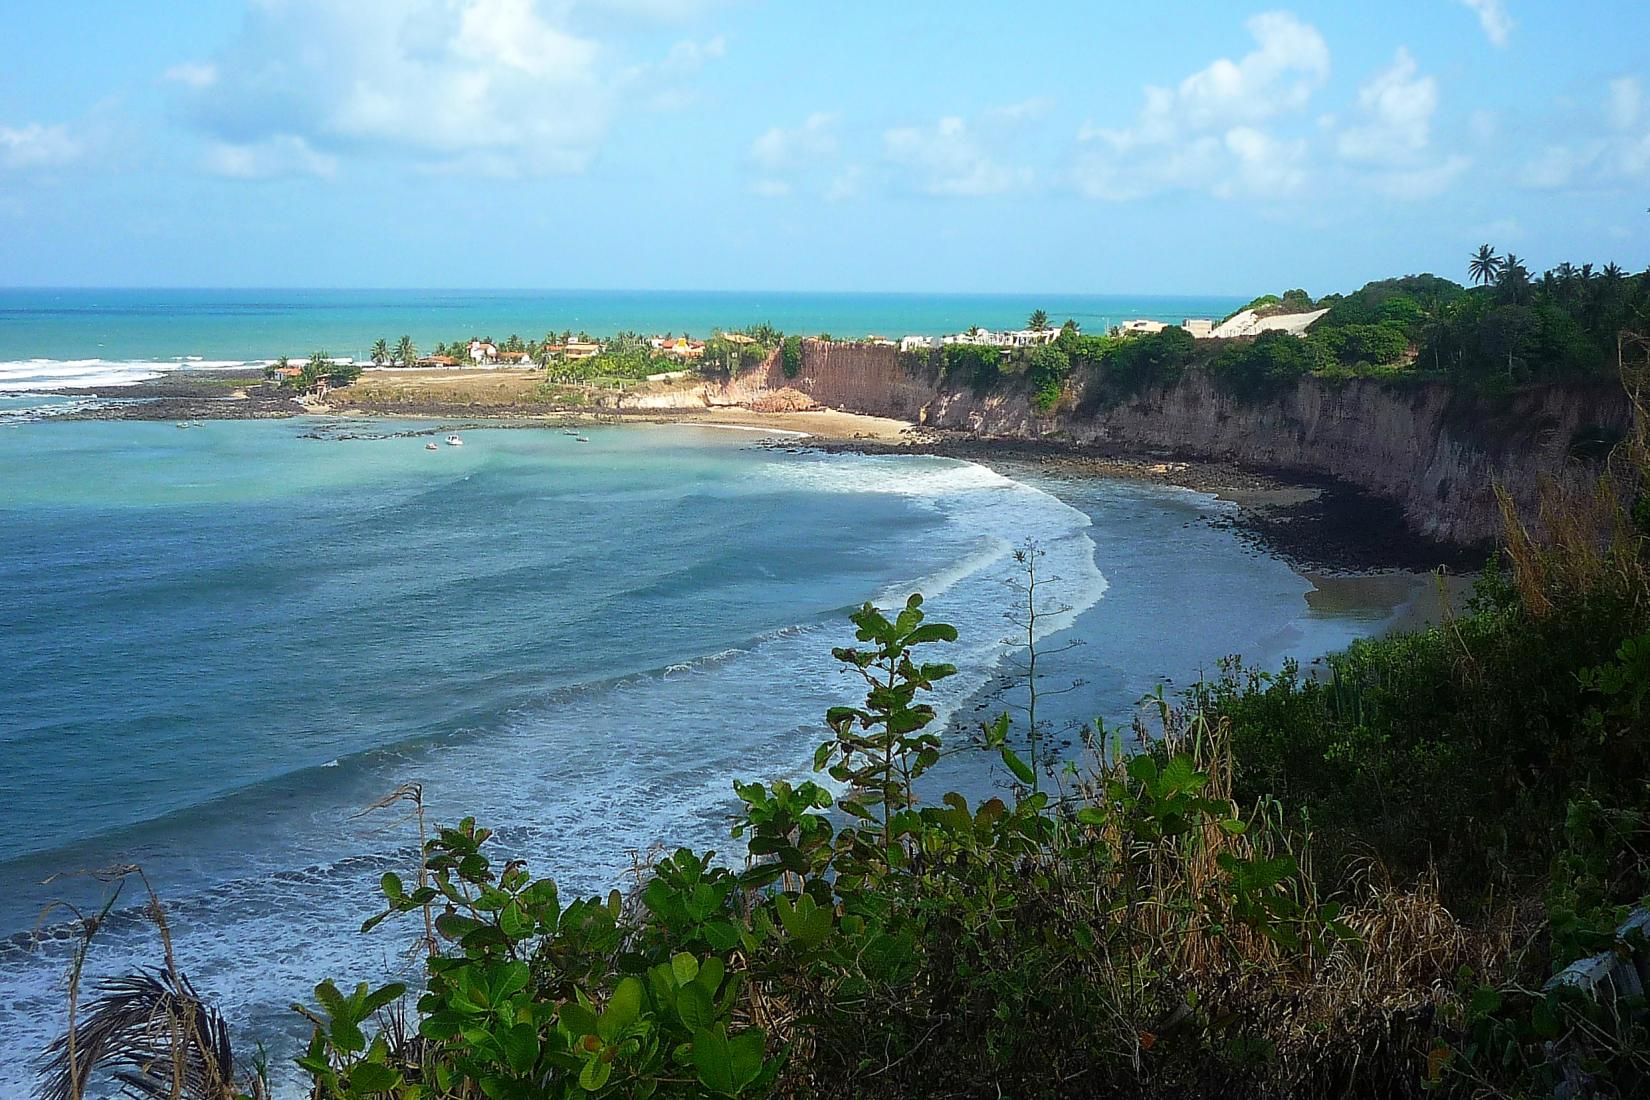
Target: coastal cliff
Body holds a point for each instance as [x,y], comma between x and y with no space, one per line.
[1435,451]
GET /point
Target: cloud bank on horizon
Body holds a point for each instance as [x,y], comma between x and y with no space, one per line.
[706,143]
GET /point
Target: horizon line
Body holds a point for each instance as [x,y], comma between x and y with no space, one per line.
[616,290]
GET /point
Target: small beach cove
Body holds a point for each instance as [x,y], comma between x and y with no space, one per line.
[509,622]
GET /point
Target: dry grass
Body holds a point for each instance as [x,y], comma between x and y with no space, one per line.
[437,387]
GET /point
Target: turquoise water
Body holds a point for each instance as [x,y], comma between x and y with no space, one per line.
[223,642]
[51,339]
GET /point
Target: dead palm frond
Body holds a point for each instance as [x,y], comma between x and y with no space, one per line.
[151,1032]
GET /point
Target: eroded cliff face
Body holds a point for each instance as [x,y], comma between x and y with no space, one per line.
[1433,451]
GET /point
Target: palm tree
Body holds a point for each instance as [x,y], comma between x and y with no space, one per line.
[1484,266]
[405,352]
[1612,273]
[154,1034]
[1038,321]
[1513,277]
[380,353]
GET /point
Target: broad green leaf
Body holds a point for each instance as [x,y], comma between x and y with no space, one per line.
[368,1078]
[711,974]
[576,1019]
[694,1006]
[746,1050]
[594,1075]
[521,1047]
[1021,771]
[514,922]
[713,1061]
[512,979]
[623,1009]
[685,967]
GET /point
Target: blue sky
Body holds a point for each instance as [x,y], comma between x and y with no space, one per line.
[1171,147]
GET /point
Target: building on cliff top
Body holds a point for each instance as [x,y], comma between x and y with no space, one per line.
[1021,338]
[1140,326]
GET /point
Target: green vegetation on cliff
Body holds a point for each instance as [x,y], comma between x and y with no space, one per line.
[1512,330]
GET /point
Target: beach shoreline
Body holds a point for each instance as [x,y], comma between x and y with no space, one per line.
[1323,527]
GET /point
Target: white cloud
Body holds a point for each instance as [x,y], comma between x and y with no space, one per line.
[1397,107]
[1027,110]
[1615,154]
[689,56]
[1492,16]
[505,86]
[1552,168]
[34,146]
[282,155]
[191,74]
[1424,181]
[1389,144]
[782,149]
[846,185]
[1265,165]
[1289,63]
[948,158]
[1205,133]
[1626,103]
[785,156]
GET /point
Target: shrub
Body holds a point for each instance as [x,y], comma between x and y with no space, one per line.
[1046,368]
[1267,365]
[790,356]
[1155,359]
[974,365]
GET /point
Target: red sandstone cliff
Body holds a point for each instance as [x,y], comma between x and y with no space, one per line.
[1435,452]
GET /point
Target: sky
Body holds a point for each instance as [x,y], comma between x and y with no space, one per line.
[1169,147]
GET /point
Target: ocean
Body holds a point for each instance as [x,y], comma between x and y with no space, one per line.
[223,642]
[53,339]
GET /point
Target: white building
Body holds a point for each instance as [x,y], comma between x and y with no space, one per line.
[483,352]
[1201,328]
[915,343]
[1020,338]
[1140,326]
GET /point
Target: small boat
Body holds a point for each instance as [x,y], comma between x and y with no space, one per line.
[584,439]
[568,431]
[431,447]
[454,441]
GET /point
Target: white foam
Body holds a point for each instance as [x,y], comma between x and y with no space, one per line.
[44,375]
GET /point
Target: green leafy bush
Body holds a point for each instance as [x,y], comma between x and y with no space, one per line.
[976,366]
[1271,363]
[790,356]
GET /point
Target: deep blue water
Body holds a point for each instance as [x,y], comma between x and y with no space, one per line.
[221,642]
